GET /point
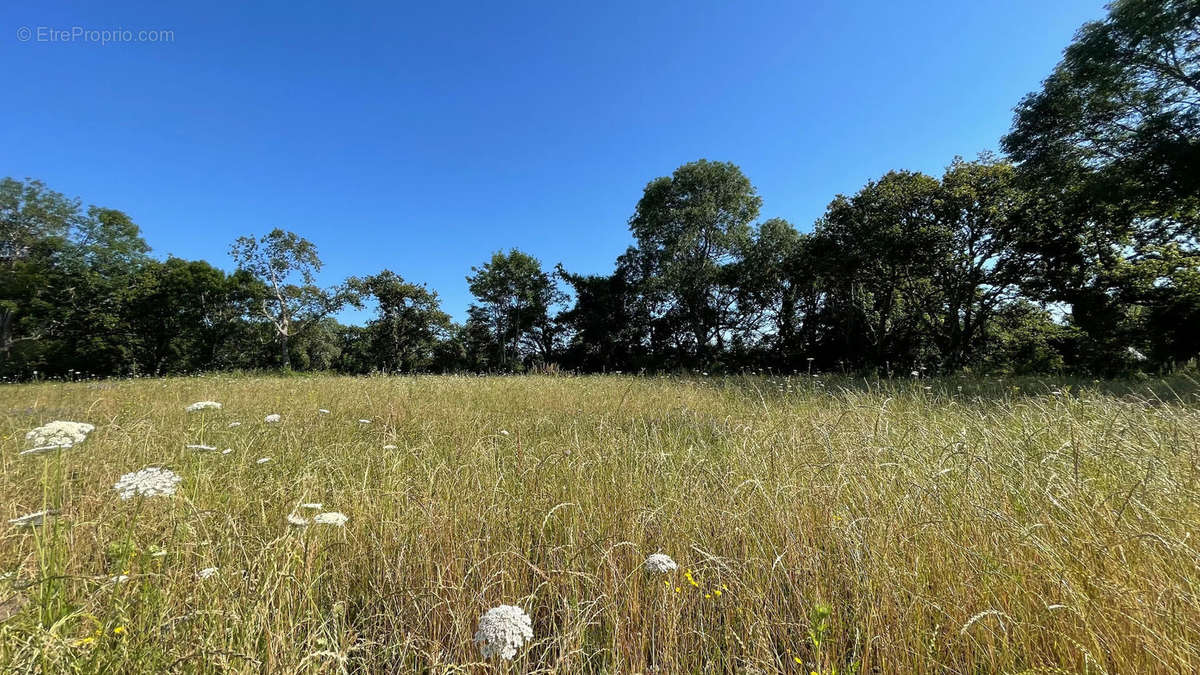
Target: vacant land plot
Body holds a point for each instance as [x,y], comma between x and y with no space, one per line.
[817,525]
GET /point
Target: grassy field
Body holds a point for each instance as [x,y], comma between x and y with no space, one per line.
[819,526]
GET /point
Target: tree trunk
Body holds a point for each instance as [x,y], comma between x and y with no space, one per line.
[283,346]
[5,337]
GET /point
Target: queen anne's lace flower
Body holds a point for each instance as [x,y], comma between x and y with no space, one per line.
[272,419]
[207,572]
[660,563]
[502,631]
[33,519]
[149,482]
[57,434]
[331,518]
[234,425]
[297,521]
[203,405]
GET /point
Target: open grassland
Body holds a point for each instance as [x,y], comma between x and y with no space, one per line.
[819,526]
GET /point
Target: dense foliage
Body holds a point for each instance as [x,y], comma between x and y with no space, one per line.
[1075,251]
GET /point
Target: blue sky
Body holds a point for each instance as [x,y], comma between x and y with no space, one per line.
[421,139]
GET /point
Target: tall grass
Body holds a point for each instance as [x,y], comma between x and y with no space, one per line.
[820,526]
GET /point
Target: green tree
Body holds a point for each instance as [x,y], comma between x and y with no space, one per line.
[106,258]
[320,346]
[66,280]
[604,332]
[287,265]
[35,229]
[913,268]
[1023,339]
[692,228]
[875,254]
[775,286]
[410,322]
[1111,147]
[975,269]
[187,314]
[515,298]
[1123,107]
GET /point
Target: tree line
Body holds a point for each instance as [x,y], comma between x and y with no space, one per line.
[1076,250]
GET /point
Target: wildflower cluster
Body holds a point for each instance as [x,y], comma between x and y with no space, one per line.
[149,482]
[335,518]
[57,435]
[203,405]
[660,563]
[502,631]
[332,518]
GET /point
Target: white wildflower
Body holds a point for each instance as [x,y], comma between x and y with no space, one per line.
[262,460]
[57,434]
[272,419]
[389,446]
[331,518]
[504,432]
[297,521]
[33,519]
[234,425]
[1135,354]
[502,631]
[203,405]
[207,572]
[323,411]
[149,482]
[201,448]
[660,563]
[226,451]
[314,506]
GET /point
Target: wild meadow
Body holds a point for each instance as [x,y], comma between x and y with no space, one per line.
[815,525]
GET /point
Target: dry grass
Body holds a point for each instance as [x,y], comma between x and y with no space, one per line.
[873,529]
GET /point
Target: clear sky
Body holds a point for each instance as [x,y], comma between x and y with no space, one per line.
[422,138]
